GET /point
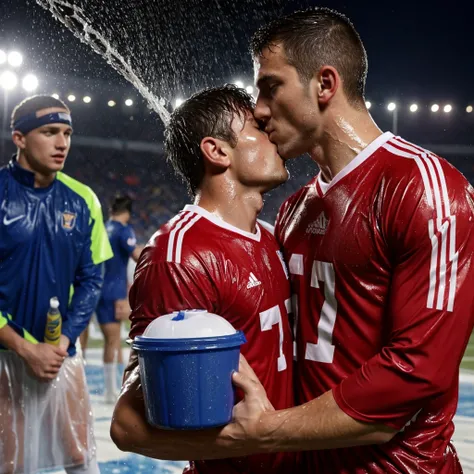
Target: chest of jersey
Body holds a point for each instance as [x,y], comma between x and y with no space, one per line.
[33,219]
[340,267]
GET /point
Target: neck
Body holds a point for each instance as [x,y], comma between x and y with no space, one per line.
[237,207]
[42,179]
[349,134]
[123,218]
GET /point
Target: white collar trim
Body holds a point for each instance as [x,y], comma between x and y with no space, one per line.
[357,161]
[221,223]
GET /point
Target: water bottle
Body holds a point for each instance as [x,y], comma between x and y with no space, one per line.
[52,332]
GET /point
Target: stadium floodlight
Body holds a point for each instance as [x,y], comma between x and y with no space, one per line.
[3,57]
[392,106]
[178,102]
[447,108]
[129,102]
[239,84]
[469,109]
[30,82]
[413,107]
[434,108]
[8,80]
[15,59]
[71,97]
[86,99]
[111,103]
[56,96]
[368,104]
[249,89]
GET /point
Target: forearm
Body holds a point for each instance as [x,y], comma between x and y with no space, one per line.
[84,301]
[10,339]
[131,432]
[318,424]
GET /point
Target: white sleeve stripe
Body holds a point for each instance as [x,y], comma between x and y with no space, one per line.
[179,221]
[435,189]
[433,264]
[179,244]
[444,187]
[442,232]
[421,167]
[442,266]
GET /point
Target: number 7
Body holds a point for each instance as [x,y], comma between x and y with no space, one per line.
[323,350]
[268,319]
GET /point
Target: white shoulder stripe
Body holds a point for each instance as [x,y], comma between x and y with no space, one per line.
[181,219]
[179,243]
[441,230]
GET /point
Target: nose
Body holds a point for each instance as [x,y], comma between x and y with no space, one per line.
[62,141]
[262,111]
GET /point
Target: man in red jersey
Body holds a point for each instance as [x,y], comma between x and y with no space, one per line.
[380,247]
[215,255]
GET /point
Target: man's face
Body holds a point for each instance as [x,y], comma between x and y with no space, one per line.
[287,107]
[46,148]
[255,161]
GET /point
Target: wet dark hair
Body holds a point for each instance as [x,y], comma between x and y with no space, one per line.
[208,113]
[121,203]
[33,104]
[314,38]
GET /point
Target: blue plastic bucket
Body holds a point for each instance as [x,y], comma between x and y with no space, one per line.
[187,383]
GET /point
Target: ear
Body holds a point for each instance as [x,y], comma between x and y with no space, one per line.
[19,139]
[329,82]
[215,152]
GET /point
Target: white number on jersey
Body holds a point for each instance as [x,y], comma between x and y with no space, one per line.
[323,350]
[268,319]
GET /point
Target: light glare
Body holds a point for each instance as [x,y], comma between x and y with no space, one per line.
[392,106]
[8,80]
[15,59]
[30,82]
[129,102]
[434,108]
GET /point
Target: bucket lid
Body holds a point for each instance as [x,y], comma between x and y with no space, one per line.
[149,344]
[194,323]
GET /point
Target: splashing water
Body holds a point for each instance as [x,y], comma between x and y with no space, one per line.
[75,19]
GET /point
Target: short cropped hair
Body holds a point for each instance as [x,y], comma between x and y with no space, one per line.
[208,113]
[314,38]
[33,104]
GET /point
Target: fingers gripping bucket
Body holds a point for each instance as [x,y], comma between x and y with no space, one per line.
[187,381]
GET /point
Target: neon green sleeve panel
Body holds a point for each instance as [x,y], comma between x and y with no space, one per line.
[5,318]
[100,246]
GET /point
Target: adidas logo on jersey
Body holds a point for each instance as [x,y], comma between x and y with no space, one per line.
[319,226]
[253,281]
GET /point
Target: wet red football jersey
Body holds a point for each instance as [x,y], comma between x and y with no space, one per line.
[198,261]
[381,263]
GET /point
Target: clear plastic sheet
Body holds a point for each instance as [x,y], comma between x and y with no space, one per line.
[43,424]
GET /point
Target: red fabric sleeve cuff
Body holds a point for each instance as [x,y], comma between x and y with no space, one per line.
[356,415]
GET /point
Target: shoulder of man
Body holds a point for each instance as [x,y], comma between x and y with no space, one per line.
[82,190]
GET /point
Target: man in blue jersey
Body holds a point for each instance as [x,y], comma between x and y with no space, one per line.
[52,240]
[113,304]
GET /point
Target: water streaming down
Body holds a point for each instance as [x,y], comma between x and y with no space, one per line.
[166,48]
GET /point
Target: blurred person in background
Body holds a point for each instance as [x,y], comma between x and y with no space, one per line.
[53,241]
[113,306]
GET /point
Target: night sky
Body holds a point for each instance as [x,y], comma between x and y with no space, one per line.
[415,52]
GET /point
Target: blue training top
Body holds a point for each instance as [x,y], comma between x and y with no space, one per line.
[51,240]
[123,242]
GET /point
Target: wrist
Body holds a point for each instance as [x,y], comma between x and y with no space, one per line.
[23,348]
